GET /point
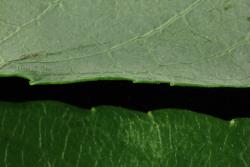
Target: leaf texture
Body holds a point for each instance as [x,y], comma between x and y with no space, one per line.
[52,134]
[191,42]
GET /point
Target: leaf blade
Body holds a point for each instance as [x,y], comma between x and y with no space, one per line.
[196,42]
[52,133]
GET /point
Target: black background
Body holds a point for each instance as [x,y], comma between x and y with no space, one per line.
[225,103]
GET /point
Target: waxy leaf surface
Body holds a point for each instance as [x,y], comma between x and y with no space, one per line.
[52,134]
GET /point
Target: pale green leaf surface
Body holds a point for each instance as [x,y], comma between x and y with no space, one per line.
[194,42]
[51,134]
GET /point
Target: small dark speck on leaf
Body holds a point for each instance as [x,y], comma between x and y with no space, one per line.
[28,56]
[228,7]
[34,54]
[248,18]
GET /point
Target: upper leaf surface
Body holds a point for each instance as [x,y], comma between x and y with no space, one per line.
[46,134]
[194,42]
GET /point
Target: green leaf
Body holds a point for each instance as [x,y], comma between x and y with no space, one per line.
[194,42]
[46,134]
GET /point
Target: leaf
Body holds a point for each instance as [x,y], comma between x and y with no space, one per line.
[191,42]
[46,134]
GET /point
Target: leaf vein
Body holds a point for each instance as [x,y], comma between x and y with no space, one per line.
[36,18]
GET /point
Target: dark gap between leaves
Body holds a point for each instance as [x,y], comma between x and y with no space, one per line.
[224,103]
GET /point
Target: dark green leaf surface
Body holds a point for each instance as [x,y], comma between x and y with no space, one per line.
[51,134]
[194,42]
